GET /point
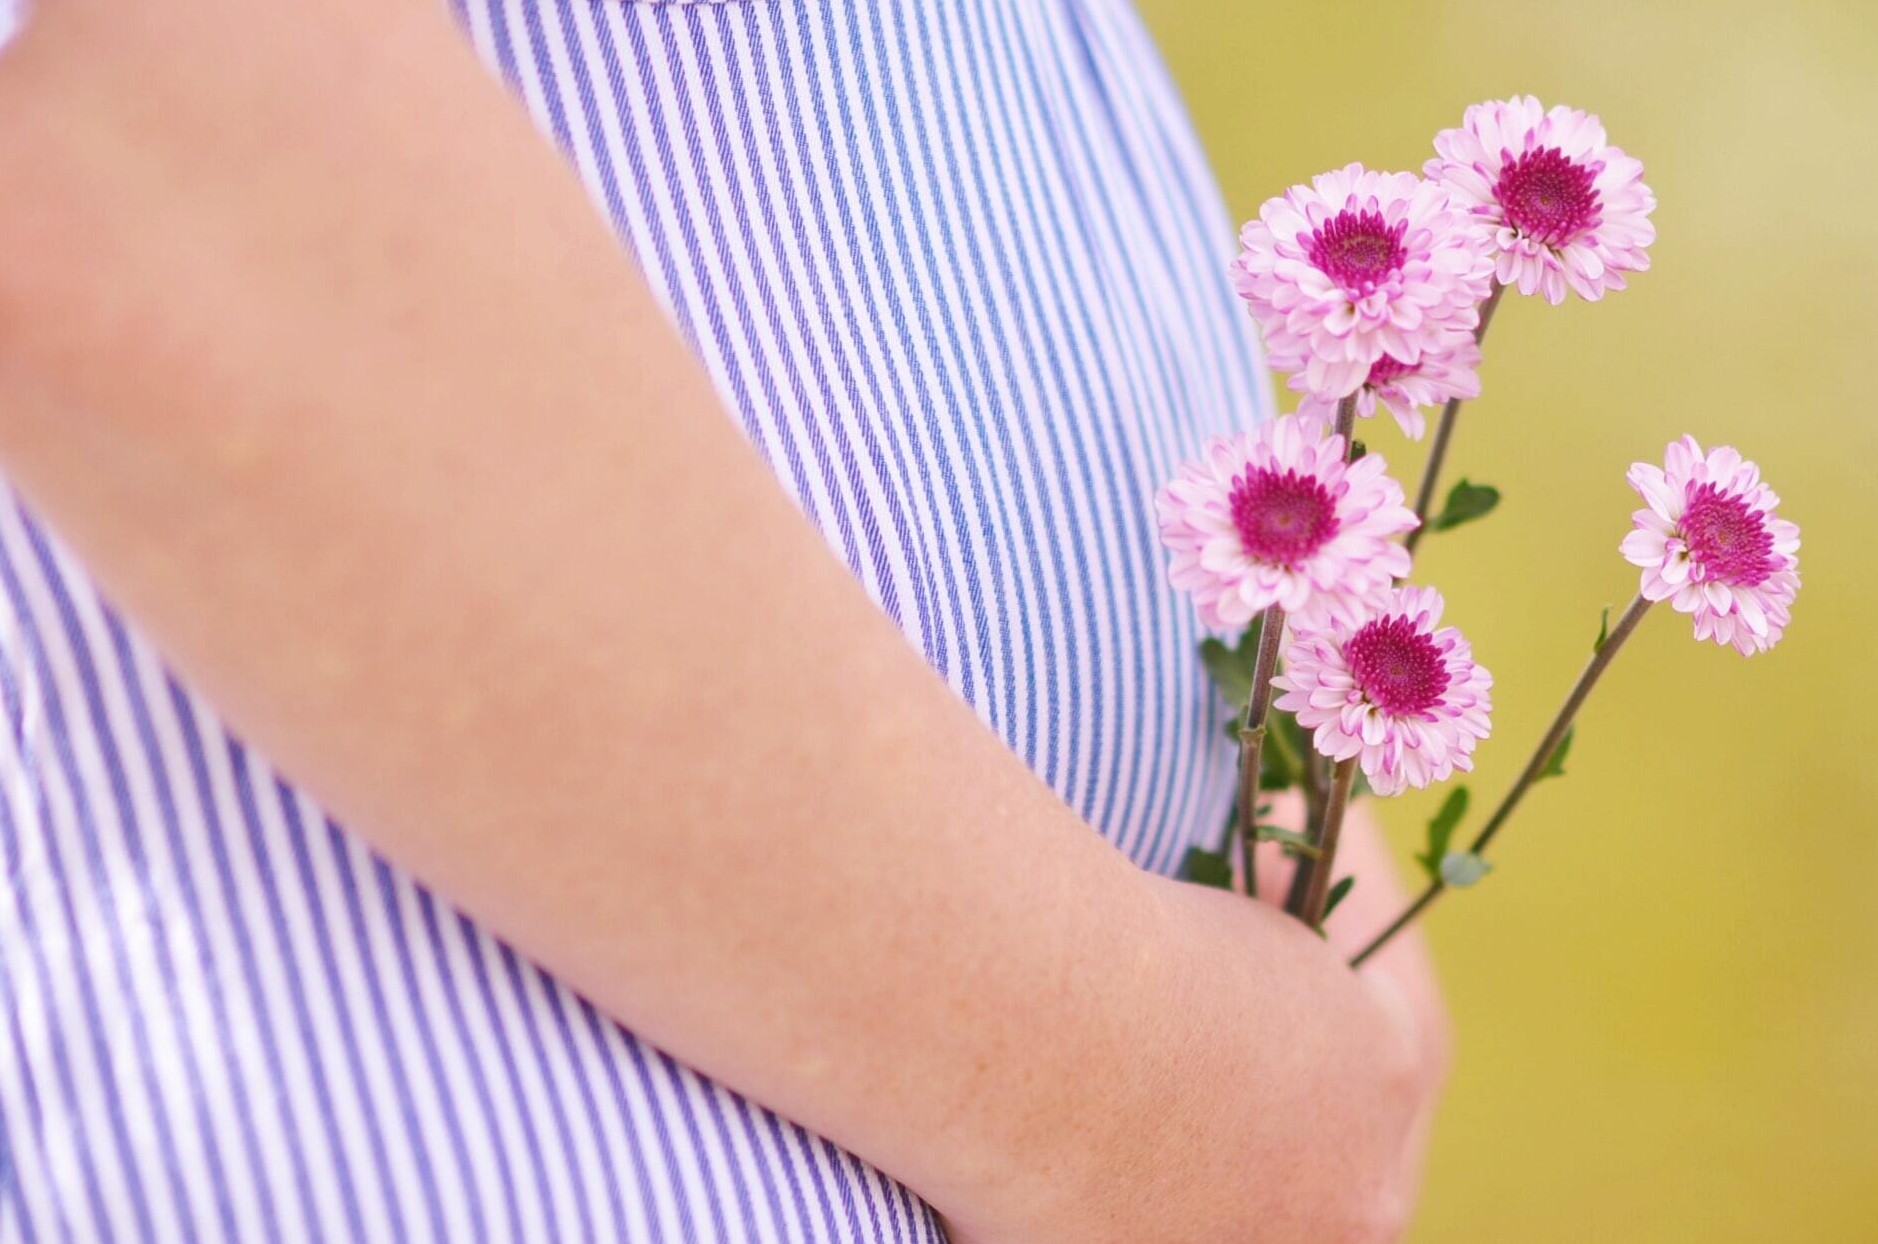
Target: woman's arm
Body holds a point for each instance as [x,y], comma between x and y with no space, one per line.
[322,360]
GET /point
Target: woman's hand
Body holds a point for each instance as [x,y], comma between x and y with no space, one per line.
[1405,990]
[1331,1076]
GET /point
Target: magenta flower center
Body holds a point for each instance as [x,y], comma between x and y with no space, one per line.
[1398,668]
[1357,250]
[1387,368]
[1282,518]
[1548,196]
[1727,541]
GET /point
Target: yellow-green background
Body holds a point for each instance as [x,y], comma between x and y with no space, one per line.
[1667,995]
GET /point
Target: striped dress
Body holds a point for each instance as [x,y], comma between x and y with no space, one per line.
[958,269]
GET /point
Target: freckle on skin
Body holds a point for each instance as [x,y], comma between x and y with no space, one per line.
[812,1067]
[236,446]
[329,665]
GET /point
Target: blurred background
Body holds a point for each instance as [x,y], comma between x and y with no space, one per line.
[1667,994]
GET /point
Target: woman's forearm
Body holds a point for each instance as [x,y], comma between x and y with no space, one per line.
[352,404]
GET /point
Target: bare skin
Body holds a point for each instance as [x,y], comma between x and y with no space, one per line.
[311,346]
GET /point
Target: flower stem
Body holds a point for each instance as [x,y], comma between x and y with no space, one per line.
[1535,767]
[1314,797]
[1314,790]
[1317,890]
[1346,424]
[1316,816]
[1252,740]
[1444,432]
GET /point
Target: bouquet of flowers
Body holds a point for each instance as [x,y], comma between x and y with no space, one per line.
[1374,291]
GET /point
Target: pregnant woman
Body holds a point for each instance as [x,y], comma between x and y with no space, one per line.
[657,723]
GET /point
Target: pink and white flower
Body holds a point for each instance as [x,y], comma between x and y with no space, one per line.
[1562,206]
[1274,516]
[1359,265]
[1447,370]
[1398,692]
[1709,543]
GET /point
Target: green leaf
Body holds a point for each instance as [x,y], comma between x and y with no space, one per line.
[1463,868]
[1336,895]
[1208,868]
[1555,767]
[1249,640]
[1232,676]
[1604,631]
[1230,667]
[1441,831]
[1294,842]
[1283,753]
[1466,502]
[1297,736]
[1275,768]
[1357,450]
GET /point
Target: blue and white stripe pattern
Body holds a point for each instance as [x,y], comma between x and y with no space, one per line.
[959,269]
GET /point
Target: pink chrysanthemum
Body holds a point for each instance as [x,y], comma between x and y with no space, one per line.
[1275,516]
[1562,206]
[1403,697]
[1709,544]
[1359,265]
[1447,370]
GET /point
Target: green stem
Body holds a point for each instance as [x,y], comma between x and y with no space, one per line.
[1311,782]
[1444,432]
[1306,871]
[1535,766]
[1311,911]
[1252,740]
[1314,783]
